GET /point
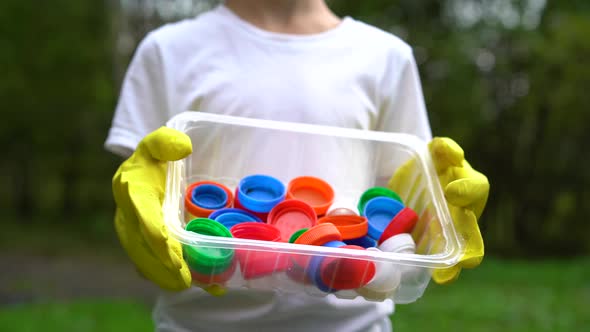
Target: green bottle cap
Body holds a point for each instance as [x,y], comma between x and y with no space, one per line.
[207,260]
[376,192]
[297,234]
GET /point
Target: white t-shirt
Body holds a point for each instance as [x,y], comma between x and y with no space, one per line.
[354,76]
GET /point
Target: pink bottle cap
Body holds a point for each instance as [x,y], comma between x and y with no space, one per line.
[347,273]
[290,216]
[256,264]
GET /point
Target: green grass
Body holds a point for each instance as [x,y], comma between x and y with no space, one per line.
[505,296]
[95,235]
[499,296]
[83,316]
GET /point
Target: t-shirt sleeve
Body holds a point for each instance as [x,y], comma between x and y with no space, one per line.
[142,105]
[403,109]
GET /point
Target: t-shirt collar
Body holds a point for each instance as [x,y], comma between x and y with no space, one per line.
[261,33]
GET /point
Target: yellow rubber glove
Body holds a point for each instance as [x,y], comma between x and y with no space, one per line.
[138,189]
[466,191]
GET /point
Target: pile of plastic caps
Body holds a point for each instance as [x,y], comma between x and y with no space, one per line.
[263,208]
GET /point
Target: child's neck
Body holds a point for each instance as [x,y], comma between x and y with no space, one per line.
[300,17]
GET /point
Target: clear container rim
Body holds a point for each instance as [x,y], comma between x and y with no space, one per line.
[419,147]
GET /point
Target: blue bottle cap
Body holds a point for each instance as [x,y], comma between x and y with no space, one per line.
[379,212]
[220,212]
[334,244]
[260,193]
[209,196]
[313,268]
[314,273]
[229,217]
[365,242]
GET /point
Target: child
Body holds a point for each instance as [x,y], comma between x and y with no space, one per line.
[270,59]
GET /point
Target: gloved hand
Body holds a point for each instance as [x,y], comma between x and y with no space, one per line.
[138,189]
[466,191]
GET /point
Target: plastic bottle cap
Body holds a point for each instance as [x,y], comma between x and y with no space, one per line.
[314,268]
[347,273]
[209,196]
[291,215]
[399,243]
[260,193]
[297,274]
[262,216]
[220,212]
[206,260]
[319,235]
[386,280]
[334,244]
[365,242]
[403,222]
[341,211]
[231,219]
[256,231]
[230,216]
[380,211]
[313,191]
[297,234]
[254,263]
[376,192]
[313,273]
[350,226]
[202,212]
[216,277]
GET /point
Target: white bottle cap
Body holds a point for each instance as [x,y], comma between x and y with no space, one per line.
[342,205]
[384,283]
[400,243]
[341,211]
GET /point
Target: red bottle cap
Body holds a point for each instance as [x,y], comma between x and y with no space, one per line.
[256,231]
[253,263]
[347,273]
[290,216]
[403,222]
[214,278]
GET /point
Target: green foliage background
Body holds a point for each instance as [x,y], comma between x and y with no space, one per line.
[513,96]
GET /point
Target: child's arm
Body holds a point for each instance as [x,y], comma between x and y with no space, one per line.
[143,102]
[138,185]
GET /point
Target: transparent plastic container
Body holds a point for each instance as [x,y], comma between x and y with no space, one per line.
[227,149]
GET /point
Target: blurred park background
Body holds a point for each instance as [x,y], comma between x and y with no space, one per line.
[507,79]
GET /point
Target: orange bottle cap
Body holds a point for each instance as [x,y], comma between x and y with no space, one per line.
[198,211]
[313,191]
[350,226]
[320,234]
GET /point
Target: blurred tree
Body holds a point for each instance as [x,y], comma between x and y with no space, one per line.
[57,93]
[536,143]
[506,79]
